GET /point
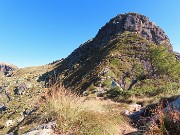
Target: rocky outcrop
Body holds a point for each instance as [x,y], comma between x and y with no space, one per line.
[133,22]
[124,41]
[177,55]
[3,108]
[7,68]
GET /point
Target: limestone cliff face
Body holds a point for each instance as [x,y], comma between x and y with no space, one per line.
[133,22]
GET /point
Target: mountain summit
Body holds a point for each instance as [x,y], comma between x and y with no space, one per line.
[133,22]
[128,49]
[129,22]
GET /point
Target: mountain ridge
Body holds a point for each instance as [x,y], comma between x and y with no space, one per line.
[126,29]
[111,29]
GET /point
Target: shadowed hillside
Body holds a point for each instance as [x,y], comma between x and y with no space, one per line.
[124,52]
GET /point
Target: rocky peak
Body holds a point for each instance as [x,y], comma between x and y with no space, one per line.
[129,22]
[133,22]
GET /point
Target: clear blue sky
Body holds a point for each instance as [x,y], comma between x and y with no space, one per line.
[36,32]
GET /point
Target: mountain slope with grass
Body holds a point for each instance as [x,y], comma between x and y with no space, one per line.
[129,52]
[130,61]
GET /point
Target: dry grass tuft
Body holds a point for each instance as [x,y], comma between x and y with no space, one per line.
[78,115]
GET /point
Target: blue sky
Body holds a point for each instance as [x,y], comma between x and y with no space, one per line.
[36,32]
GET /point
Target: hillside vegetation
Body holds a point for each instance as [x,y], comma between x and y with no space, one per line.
[111,84]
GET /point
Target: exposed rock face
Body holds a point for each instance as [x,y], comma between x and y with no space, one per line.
[134,22]
[20,89]
[177,55]
[6,68]
[123,42]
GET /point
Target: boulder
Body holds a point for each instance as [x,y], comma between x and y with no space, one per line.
[114,84]
[3,108]
[20,90]
[175,105]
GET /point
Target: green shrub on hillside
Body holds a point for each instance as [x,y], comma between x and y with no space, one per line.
[164,62]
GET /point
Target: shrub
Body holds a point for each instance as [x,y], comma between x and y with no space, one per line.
[165,122]
[118,93]
[114,92]
[164,62]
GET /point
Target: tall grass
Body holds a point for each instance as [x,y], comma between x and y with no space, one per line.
[77,115]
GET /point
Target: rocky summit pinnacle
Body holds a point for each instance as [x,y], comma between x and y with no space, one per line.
[122,46]
[133,22]
[128,22]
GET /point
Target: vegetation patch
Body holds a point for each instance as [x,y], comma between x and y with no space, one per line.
[78,115]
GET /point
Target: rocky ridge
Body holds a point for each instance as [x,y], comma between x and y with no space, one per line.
[131,22]
[119,48]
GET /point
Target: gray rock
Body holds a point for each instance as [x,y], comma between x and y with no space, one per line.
[41,129]
[100,93]
[174,105]
[115,84]
[20,89]
[9,123]
[7,68]
[85,93]
[2,89]
[3,108]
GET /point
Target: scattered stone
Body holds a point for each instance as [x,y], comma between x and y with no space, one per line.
[114,84]
[41,132]
[100,93]
[9,123]
[44,129]
[85,93]
[20,90]
[135,107]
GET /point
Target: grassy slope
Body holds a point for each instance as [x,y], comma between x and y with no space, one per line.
[124,53]
[19,103]
[127,52]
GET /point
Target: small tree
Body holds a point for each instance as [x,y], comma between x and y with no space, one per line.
[164,61]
